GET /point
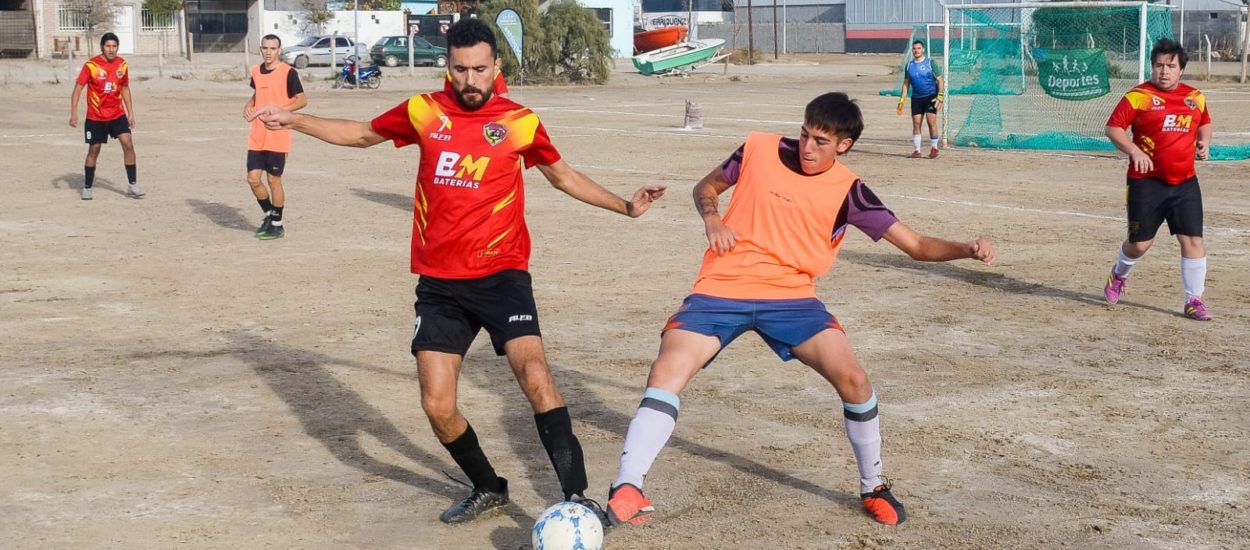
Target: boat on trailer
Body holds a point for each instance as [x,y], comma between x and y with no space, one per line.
[680,58]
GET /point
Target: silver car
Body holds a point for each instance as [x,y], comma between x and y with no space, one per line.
[315,50]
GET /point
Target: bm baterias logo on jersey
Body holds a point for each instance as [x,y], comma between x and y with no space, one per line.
[494,133]
[1177,123]
[457,171]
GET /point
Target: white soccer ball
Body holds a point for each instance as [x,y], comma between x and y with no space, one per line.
[567,526]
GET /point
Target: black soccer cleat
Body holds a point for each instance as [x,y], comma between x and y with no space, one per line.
[264,226]
[594,507]
[477,503]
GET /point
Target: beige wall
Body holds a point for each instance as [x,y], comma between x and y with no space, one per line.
[145,42]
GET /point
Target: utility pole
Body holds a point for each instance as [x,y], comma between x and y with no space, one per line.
[750,35]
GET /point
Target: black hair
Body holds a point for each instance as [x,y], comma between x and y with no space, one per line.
[1167,46]
[109,36]
[921,42]
[469,32]
[835,113]
[271,37]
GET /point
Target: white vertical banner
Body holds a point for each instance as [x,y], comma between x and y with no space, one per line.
[509,23]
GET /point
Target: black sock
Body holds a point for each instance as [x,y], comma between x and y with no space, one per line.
[88,176]
[130,173]
[468,454]
[277,214]
[265,205]
[555,429]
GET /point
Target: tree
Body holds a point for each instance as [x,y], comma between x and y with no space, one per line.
[162,9]
[316,14]
[566,44]
[381,5]
[97,15]
[579,42]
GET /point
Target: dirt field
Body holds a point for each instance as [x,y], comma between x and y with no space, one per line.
[170,381]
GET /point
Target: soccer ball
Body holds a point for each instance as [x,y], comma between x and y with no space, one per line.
[567,526]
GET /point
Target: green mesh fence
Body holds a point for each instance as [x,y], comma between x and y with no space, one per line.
[1042,78]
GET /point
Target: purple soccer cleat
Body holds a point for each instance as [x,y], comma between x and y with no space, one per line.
[1115,287]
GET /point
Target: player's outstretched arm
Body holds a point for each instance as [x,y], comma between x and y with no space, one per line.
[1140,160]
[349,133]
[720,238]
[932,249]
[579,186]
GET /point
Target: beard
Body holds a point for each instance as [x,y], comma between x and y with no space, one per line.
[475,102]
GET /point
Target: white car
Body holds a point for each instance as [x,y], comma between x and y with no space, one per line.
[315,50]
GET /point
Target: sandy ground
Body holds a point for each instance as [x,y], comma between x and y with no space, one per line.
[170,381]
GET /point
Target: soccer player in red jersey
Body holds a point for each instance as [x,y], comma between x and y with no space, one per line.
[107,80]
[471,247]
[792,202]
[1171,126]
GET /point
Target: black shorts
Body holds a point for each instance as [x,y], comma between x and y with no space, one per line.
[1151,201]
[269,161]
[450,312]
[922,105]
[99,131]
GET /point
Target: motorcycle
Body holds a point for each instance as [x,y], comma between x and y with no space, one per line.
[370,76]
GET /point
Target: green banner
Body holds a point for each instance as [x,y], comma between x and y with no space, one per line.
[1075,75]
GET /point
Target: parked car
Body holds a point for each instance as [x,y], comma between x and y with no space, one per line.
[392,51]
[315,50]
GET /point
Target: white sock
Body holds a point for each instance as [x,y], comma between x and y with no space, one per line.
[916,141]
[933,141]
[1194,276]
[1123,264]
[648,433]
[863,429]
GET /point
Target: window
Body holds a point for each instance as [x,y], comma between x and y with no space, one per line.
[154,23]
[341,42]
[605,17]
[69,18]
[323,43]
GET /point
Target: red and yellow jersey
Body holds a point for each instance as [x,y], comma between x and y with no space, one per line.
[787,226]
[1165,127]
[469,209]
[501,85]
[104,81]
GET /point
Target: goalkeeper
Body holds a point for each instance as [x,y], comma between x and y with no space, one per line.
[925,80]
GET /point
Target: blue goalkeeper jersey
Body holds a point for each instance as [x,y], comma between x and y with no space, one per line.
[923,77]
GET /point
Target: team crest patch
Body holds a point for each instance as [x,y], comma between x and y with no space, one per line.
[1189,102]
[120,73]
[494,133]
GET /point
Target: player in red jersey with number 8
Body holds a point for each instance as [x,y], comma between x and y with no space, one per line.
[106,77]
